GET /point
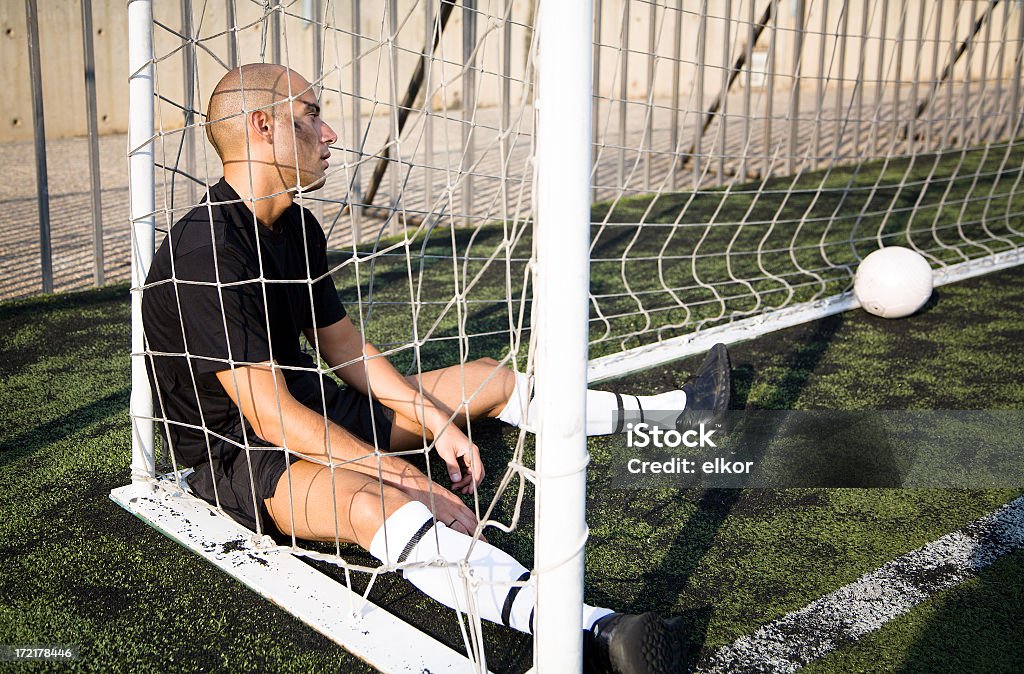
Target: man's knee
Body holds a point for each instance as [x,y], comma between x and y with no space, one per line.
[371,506]
[489,369]
[347,504]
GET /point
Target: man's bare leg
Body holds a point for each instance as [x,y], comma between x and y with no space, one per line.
[354,507]
[490,389]
[314,505]
[396,528]
[486,385]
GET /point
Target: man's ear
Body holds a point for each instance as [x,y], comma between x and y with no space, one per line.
[261,125]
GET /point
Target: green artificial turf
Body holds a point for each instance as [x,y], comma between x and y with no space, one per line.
[974,627]
[79,570]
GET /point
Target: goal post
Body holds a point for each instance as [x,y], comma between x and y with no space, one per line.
[141,166]
[562,311]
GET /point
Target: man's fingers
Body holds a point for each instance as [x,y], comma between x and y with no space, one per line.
[466,522]
[477,466]
[461,457]
[452,463]
[459,512]
[450,509]
[462,528]
[474,473]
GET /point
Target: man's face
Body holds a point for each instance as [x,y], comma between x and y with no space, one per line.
[302,141]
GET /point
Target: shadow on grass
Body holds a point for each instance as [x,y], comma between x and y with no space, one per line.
[952,642]
[34,439]
[33,306]
[662,586]
[974,627]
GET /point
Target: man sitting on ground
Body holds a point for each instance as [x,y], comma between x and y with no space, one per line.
[231,289]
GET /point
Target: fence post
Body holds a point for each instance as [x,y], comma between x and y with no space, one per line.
[39,136]
[94,141]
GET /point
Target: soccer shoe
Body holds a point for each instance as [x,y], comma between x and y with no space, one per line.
[621,643]
[708,392]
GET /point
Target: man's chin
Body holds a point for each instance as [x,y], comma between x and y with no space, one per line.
[315,184]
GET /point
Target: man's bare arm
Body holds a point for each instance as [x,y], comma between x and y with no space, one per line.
[261,392]
[342,343]
[343,346]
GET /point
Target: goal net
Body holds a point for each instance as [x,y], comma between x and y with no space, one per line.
[749,154]
[740,158]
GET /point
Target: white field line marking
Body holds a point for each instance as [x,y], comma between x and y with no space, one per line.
[852,611]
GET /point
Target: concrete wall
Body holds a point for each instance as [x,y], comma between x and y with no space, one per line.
[60,38]
[61,42]
[940,19]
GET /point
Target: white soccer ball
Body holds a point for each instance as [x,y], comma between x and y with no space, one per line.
[893,282]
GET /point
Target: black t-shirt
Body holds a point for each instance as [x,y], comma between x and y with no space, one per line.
[209,266]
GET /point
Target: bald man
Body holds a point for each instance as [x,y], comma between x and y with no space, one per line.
[232,288]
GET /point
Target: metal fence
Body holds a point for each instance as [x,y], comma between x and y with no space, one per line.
[39,141]
[708,92]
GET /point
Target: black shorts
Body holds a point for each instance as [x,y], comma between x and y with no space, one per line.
[240,486]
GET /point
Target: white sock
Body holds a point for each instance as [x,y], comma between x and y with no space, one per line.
[412,535]
[661,409]
[606,412]
[516,410]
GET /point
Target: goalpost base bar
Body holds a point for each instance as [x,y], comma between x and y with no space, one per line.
[361,627]
[660,353]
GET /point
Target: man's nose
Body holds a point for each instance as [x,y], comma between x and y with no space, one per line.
[328,134]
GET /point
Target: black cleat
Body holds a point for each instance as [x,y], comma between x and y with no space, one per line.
[708,392]
[622,643]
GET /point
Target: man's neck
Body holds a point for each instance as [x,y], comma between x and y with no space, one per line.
[254,192]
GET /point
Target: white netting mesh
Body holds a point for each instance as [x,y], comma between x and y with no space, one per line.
[747,155]
[425,211]
[784,142]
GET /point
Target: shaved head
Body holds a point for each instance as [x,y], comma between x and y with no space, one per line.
[264,121]
[256,86]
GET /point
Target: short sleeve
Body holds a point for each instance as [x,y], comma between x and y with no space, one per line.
[223,322]
[327,306]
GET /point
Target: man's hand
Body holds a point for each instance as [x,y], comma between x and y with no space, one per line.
[360,364]
[461,456]
[446,506]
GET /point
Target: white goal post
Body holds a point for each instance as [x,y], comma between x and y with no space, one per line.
[578,190]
